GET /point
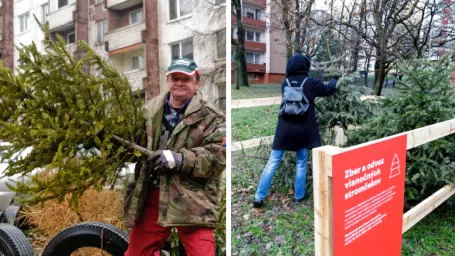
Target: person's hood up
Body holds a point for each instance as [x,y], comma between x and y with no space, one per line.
[298,65]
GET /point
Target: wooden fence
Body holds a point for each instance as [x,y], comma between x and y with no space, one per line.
[322,173]
[322,185]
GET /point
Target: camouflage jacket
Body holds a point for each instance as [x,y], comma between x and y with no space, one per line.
[190,197]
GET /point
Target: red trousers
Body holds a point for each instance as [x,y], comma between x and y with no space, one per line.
[147,237]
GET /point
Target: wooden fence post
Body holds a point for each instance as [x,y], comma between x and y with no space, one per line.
[323,204]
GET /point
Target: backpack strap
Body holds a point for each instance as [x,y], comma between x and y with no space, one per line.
[303,81]
[289,84]
[287,81]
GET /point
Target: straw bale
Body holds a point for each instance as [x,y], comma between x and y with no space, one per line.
[52,217]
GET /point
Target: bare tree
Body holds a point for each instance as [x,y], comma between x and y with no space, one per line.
[241,76]
[295,17]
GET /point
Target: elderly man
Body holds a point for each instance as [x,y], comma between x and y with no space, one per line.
[179,185]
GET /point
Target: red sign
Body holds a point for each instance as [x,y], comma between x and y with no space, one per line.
[368,197]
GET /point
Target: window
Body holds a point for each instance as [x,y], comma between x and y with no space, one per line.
[252,35]
[253,13]
[136,16]
[249,35]
[101,30]
[182,50]
[23,22]
[221,44]
[45,10]
[137,62]
[253,58]
[62,3]
[98,1]
[70,38]
[220,1]
[179,8]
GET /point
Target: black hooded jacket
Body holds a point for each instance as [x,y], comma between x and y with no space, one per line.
[293,133]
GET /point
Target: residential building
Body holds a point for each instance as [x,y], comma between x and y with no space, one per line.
[197,30]
[264,41]
[138,37]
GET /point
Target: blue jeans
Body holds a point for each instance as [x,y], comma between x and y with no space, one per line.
[272,165]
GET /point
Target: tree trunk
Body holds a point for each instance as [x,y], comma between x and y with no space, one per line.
[236,71]
[297,32]
[287,27]
[241,55]
[380,73]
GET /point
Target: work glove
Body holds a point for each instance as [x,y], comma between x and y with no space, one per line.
[166,160]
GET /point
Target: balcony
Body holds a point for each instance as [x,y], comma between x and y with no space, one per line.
[135,77]
[62,19]
[253,68]
[257,23]
[124,36]
[256,3]
[71,48]
[254,46]
[122,4]
[259,68]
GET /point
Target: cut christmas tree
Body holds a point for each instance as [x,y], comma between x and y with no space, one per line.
[75,114]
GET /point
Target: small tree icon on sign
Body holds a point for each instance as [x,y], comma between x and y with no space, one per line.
[395,170]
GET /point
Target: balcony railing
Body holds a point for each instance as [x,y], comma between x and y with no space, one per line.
[254,45]
[71,48]
[135,77]
[251,67]
[124,36]
[122,4]
[62,18]
[253,16]
[250,22]
[259,3]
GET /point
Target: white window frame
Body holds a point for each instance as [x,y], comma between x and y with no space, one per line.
[256,58]
[67,38]
[25,15]
[99,41]
[140,62]
[255,39]
[137,10]
[44,14]
[180,47]
[177,6]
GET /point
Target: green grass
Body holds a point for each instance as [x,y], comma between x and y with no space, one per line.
[283,228]
[249,123]
[434,235]
[256,91]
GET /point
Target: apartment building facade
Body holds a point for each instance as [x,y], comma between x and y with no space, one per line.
[264,42]
[138,37]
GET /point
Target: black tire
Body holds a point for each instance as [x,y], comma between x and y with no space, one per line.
[13,242]
[88,234]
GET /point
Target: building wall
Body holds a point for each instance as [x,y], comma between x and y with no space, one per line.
[276,62]
[33,33]
[201,25]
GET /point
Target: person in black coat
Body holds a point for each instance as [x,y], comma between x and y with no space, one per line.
[295,133]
